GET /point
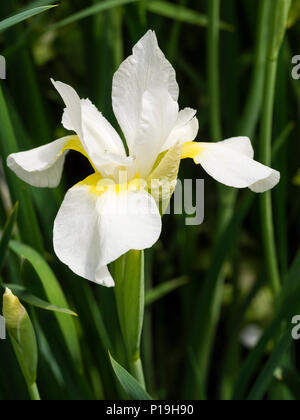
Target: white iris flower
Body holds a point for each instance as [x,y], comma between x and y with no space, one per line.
[89,233]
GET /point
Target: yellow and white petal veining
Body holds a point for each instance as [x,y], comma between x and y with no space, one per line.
[76,236]
[163,179]
[230,162]
[98,223]
[192,150]
[43,166]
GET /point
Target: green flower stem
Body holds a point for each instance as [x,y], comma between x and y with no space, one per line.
[136,369]
[130,297]
[254,102]
[248,124]
[213,293]
[278,24]
[213,68]
[247,127]
[34,392]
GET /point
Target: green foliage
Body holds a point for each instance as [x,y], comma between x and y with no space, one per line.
[20,17]
[177,339]
[55,295]
[22,336]
[130,385]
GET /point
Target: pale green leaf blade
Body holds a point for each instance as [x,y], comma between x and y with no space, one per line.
[130,385]
[7,232]
[265,378]
[54,294]
[20,17]
[130,297]
[182,14]
[164,289]
[26,297]
[90,11]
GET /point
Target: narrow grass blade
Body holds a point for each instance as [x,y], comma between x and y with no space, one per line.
[265,378]
[6,234]
[164,289]
[20,17]
[278,24]
[207,311]
[89,11]
[38,3]
[29,229]
[292,380]
[129,383]
[289,308]
[250,117]
[182,14]
[281,140]
[55,295]
[26,297]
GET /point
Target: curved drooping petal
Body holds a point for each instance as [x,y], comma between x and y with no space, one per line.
[94,228]
[241,145]
[145,95]
[186,129]
[231,163]
[43,166]
[100,140]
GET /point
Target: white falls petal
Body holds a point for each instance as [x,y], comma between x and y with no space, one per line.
[231,164]
[92,230]
[40,167]
[240,144]
[146,73]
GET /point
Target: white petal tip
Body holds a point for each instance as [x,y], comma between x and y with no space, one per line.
[106,283]
[266,184]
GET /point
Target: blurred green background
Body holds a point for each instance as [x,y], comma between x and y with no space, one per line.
[192,346]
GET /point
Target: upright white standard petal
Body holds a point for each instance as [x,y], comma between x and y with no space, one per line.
[158,117]
[73,106]
[230,162]
[100,140]
[145,95]
[43,166]
[93,229]
[186,129]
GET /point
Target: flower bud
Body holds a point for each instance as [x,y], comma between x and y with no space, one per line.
[22,335]
[13,311]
